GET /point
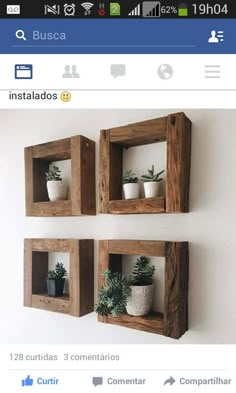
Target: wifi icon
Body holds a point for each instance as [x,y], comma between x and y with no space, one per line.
[87,7]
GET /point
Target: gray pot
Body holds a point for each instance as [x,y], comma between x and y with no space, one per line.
[140,300]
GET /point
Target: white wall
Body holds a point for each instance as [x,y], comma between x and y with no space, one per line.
[210,227]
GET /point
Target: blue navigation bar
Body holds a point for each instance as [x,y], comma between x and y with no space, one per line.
[24,36]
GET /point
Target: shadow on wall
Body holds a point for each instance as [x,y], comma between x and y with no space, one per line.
[199,286]
[203,168]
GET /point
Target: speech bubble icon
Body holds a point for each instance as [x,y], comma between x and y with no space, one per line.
[118,70]
[97,381]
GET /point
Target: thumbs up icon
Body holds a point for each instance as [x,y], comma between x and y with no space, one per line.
[27,381]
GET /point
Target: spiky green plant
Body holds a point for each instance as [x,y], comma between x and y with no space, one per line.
[129,177]
[58,273]
[54,173]
[142,273]
[151,176]
[113,296]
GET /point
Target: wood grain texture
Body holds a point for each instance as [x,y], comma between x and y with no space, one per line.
[53,151]
[29,191]
[74,279]
[81,276]
[50,245]
[86,271]
[76,174]
[142,133]
[137,206]
[55,304]
[104,171]
[137,247]
[178,163]
[176,289]
[152,323]
[52,209]
[81,151]
[27,272]
[87,176]
[103,260]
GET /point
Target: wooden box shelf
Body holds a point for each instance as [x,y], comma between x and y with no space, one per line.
[175,130]
[174,321]
[81,277]
[81,152]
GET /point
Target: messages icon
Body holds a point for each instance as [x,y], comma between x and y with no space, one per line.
[118,70]
[97,381]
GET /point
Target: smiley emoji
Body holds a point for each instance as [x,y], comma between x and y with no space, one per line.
[65,96]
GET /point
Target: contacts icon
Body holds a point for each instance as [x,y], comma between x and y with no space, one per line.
[70,72]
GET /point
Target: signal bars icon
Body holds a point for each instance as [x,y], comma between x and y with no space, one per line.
[87,6]
[136,11]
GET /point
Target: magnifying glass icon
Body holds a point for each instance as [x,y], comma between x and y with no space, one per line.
[20,34]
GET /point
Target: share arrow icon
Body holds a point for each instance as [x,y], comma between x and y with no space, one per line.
[170,380]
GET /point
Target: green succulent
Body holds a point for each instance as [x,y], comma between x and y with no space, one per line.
[58,273]
[151,176]
[129,177]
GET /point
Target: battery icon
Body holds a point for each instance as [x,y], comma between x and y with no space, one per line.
[182,10]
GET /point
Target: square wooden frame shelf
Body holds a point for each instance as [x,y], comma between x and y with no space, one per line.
[81,278]
[175,129]
[174,322]
[81,151]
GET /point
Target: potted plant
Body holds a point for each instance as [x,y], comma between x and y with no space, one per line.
[56,280]
[57,189]
[141,286]
[130,185]
[113,296]
[151,182]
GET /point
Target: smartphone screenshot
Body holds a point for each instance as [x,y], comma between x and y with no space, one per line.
[117,196]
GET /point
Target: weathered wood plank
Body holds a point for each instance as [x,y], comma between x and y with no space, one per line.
[103,260]
[104,171]
[152,323]
[52,209]
[53,151]
[51,245]
[55,304]
[27,272]
[86,267]
[142,133]
[137,247]
[137,206]
[76,174]
[87,176]
[28,180]
[176,289]
[178,163]
[75,278]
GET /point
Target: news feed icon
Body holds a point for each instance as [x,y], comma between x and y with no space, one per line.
[23,71]
[13,9]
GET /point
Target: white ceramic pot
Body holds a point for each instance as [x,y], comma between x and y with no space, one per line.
[151,189]
[140,300]
[131,190]
[57,190]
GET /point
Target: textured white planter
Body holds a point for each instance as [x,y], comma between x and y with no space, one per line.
[131,190]
[140,300]
[151,189]
[57,190]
